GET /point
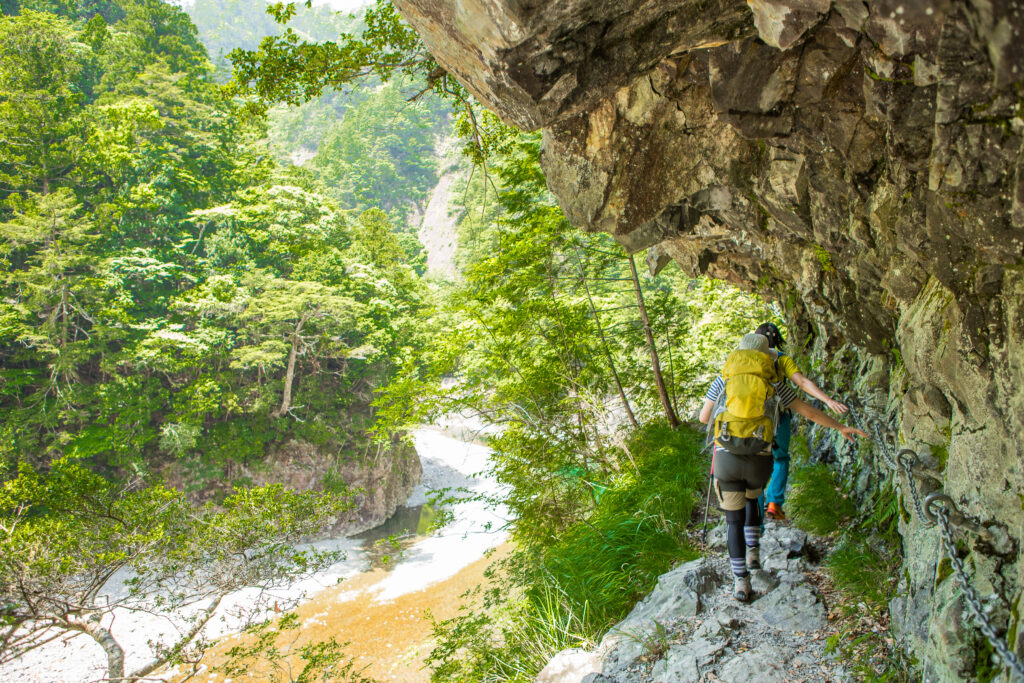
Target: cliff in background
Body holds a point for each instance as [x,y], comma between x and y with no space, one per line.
[860,162]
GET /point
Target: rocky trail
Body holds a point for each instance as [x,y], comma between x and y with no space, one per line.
[691,630]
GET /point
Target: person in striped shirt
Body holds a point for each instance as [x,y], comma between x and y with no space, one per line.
[740,479]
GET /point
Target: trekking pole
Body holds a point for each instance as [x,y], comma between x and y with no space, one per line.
[707,502]
[707,506]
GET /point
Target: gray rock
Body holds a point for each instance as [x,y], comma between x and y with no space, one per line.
[780,23]
[678,667]
[700,576]
[763,664]
[792,608]
[717,538]
[685,662]
[729,616]
[704,649]
[675,595]
[597,678]
[711,628]
[763,581]
[781,549]
[788,540]
[792,577]
[781,565]
[627,648]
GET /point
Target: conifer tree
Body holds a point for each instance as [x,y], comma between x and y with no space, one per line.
[52,281]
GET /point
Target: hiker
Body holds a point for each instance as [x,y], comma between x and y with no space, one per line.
[743,429]
[775,493]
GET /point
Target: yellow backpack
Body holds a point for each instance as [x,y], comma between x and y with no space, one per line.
[748,409]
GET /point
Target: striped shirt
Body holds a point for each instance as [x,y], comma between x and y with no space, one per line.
[782,390]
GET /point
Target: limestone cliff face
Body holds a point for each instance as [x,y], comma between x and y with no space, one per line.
[861,162]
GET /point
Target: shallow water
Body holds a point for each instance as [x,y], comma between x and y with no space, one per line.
[367,581]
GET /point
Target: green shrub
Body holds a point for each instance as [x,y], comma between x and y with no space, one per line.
[613,559]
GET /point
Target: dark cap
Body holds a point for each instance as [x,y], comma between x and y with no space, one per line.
[769,330]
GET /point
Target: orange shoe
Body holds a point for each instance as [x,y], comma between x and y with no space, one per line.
[775,512]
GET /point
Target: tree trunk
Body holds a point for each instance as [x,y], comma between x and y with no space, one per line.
[200,620]
[289,377]
[604,345]
[115,655]
[659,381]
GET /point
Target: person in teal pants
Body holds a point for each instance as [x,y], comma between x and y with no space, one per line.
[775,493]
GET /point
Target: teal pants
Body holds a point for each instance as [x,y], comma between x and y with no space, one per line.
[776,490]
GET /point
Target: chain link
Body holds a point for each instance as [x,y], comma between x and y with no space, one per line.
[904,459]
[938,508]
[873,427]
[902,462]
[971,595]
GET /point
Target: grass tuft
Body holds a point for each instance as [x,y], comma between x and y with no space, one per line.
[816,503]
[863,572]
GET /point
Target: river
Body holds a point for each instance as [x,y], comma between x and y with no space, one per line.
[377,606]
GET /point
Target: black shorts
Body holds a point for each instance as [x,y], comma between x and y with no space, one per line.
[740,477]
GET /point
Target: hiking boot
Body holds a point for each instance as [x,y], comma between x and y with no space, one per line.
[753,558]
[775,512]
[741,588]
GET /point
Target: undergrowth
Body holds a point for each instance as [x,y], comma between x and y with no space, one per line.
[568,593]
[863,566]
[816,502]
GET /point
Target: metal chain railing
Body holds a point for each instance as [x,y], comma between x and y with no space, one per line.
[906,458]
[943,515]
[903,462]
[874,429]
[939,509]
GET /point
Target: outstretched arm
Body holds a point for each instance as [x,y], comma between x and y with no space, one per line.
[811,388]
[705,411]
[815,415]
